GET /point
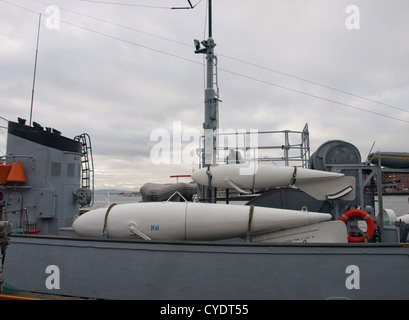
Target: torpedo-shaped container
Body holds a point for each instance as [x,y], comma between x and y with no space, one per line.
[188,221]
[319,184]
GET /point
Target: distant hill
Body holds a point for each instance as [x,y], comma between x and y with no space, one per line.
[113,191]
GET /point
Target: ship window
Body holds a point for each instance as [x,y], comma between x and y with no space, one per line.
[70,170]
[55,169]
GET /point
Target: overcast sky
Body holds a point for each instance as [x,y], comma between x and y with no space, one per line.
[122,72]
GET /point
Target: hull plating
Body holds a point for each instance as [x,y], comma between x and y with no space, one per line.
[110,269]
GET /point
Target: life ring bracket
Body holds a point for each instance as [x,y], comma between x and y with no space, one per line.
[352,214]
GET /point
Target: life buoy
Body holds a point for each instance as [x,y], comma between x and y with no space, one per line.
[353,213]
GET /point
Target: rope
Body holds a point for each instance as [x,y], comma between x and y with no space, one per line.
[251,212]
[104,234]
[294,177]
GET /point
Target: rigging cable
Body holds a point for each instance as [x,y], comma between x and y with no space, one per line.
[232,58]
[221,69]
[141,5]
[236,59]
[312,95]
[313,82]
[124,4]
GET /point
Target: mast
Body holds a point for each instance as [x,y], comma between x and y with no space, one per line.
[211,114]
[211,117]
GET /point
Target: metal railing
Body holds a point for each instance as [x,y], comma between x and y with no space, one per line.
[244,146]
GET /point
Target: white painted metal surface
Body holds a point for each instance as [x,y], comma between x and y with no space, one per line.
[322,232]
[404,218]
[319,184]
[189,221]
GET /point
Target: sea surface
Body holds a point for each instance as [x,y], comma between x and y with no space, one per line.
[104,200]
[398,203]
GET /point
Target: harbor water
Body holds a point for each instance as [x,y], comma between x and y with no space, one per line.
[102,200]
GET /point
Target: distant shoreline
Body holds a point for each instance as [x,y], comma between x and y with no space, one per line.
[115,191]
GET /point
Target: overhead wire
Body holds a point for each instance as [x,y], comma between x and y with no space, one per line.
[117,24]
[312,95]
[233,58]
[107,35]
[140,5]
[238,60]
[124,4]
[221,69]
[314,82]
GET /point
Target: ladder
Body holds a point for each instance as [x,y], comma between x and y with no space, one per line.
[215,78]
[87,164]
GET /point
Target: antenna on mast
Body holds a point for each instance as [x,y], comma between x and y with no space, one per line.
[210,18]
[35,69]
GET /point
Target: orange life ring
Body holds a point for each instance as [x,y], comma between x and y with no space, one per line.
[353,213]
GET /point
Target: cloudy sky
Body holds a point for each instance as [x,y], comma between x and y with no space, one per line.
[125,70]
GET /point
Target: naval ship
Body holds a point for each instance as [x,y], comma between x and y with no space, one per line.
[316,230]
